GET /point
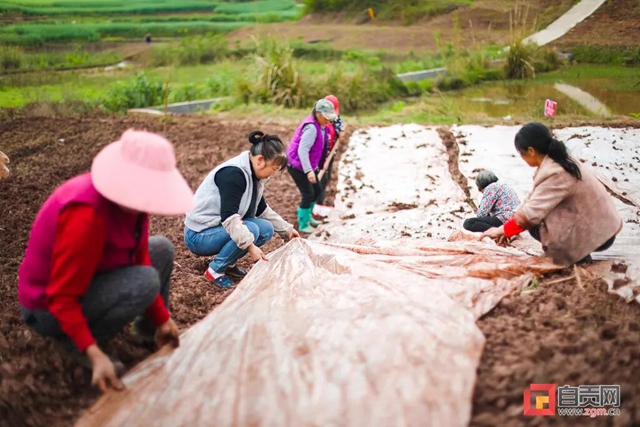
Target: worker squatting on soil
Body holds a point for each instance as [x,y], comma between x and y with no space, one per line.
[498,204]
[90,267]
[335,128]
[569,211]
[307,153]
[231,216]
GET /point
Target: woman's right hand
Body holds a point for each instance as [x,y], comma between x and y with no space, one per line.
[256,253]
[495,233]
[311,176]
[104,373]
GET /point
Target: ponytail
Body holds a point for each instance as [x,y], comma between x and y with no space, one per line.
[558,152]
[539,137]
[270,147]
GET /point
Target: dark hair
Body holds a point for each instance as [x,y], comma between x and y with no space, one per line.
[270,147]
[539,137]
[485,178]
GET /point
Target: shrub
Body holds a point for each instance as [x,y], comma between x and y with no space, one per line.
[137,93]
[546,59]
[278,80]
[520,59]
[188,92]
[219,86]
[11,58]
[191,51]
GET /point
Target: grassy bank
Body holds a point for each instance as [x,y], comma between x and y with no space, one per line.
[406,10]
[76,21]
[141,7]
[295,75]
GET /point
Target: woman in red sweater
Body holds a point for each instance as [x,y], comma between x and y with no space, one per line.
[90,267]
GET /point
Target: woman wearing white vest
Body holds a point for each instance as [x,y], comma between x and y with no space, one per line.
[231,217]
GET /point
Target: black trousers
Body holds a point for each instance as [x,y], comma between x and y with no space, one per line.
[309,192]
[482,223]
[535,233]
[324,183]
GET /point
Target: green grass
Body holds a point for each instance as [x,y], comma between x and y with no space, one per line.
[260,6]
[34,35]
[70,7]
[629,55]
[407,10]
[17,91]
[16,60]
[66,21]
[612,76]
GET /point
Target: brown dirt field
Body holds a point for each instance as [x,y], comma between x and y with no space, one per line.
[615,23]
[37,386]
[559,334]
[485,21]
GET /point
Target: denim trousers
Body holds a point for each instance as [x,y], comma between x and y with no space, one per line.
[216,241]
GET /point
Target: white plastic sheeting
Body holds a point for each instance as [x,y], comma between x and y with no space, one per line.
[330,335]
[395,183]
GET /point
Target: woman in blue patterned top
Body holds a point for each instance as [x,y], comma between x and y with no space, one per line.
[498,204]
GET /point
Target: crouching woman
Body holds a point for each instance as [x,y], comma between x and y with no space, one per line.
[90,267]
[231,217]
[569,211]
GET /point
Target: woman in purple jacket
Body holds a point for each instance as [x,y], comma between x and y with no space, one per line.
[307,153]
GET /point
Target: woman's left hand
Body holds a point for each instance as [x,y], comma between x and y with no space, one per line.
[168,333]
[495,233]
[292,233]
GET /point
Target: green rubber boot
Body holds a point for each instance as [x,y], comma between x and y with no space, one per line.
[312,221]
[303,221]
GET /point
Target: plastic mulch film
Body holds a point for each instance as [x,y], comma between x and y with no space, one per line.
[395,183]
[332,335]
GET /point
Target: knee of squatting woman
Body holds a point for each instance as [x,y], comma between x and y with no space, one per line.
[231,217]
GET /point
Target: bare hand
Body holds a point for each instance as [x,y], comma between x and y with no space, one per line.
[256,253]
[311,176]
[495,233]
[168,333]
[292,233]
[104,373]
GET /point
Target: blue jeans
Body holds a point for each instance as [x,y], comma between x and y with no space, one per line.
[216,241]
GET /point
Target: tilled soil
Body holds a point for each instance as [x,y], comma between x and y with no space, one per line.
[616,23]
[558,334]
[562,335]
[39,387]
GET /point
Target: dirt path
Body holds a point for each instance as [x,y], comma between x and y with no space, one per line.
[558,334]
[566,22]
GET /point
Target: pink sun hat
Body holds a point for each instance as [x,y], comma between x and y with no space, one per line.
[139,172]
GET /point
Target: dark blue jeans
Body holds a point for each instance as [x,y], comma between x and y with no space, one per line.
[216,241]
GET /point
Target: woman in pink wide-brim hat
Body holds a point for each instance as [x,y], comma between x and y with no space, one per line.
[90,267]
